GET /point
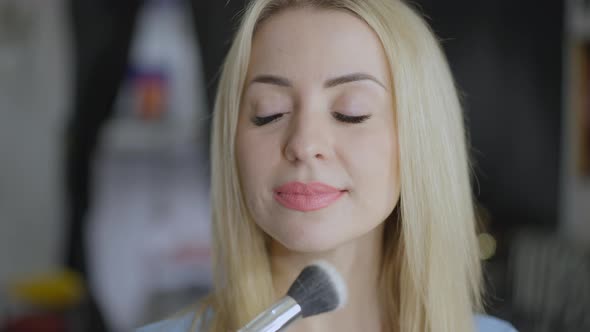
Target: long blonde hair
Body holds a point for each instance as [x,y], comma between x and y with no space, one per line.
[431,274]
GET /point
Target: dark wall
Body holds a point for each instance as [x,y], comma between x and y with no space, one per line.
[506,57]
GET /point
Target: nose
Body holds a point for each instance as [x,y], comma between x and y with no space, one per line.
[309,139]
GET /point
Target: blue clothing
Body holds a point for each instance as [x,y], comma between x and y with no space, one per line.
[183,324]
[492,324]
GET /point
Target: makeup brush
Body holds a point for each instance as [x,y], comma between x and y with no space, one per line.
[319,288]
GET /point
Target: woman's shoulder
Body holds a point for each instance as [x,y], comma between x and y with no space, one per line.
[181,323]
[184,322]
[492,324]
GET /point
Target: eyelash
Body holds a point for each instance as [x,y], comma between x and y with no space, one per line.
[350,118]
[261,121]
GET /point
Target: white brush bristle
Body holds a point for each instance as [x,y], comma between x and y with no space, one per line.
[319,288]
[337,281]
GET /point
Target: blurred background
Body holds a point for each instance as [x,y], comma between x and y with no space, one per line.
[104,176]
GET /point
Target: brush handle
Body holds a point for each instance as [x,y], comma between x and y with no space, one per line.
[275,318]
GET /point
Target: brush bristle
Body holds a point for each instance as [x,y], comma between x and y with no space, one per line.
[319,288]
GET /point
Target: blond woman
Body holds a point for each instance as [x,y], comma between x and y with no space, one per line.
[338,135]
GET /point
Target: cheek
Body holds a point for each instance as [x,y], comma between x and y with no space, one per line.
[373,162]
[254,175]
[247,152]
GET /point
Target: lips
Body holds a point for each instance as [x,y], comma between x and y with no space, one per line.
[307,197]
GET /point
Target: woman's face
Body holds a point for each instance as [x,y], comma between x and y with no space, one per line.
[316,142]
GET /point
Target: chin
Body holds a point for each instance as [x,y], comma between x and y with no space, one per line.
[309,247]
[310,240]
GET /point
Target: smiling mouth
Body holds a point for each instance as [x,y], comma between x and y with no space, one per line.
[307,197]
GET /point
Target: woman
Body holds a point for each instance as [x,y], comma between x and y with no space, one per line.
[338,135]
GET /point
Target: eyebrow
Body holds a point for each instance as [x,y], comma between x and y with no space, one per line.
[349,78]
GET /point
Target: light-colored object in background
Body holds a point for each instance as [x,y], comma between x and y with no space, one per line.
[34,93]
[487,245]
[149,222]
[146,216]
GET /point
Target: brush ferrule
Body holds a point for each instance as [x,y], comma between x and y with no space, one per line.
[276,318]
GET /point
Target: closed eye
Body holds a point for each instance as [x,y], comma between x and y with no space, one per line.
[350,118]
[262,120]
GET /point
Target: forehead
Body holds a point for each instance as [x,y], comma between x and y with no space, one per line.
[310,43]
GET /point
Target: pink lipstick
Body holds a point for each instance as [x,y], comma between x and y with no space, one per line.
[306,197]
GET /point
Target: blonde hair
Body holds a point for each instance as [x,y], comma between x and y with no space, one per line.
[431,274]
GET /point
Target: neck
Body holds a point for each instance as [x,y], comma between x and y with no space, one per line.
[359,264]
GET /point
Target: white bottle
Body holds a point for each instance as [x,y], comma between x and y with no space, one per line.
[149,224]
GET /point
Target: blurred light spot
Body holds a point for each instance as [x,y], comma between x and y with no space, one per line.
[487,246]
